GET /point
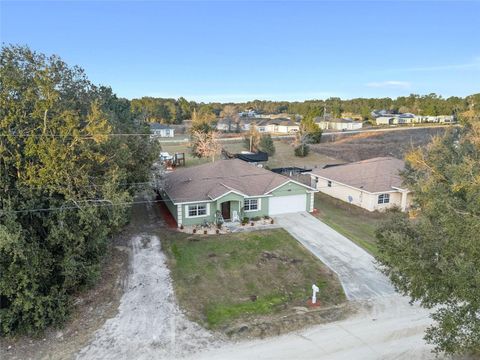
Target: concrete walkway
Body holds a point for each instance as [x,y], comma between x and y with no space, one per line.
[354,266]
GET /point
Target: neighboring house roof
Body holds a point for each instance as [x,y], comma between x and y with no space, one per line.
[157,126]
[253,157]
[212,180]
[372,175]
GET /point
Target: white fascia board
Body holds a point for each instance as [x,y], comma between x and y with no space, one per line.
[350,186]
[295,182]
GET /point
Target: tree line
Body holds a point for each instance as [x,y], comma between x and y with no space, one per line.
[65,183]
[174,111]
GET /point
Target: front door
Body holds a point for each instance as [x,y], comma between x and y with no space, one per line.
[226,210]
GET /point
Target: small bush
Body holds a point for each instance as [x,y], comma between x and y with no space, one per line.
[302,150]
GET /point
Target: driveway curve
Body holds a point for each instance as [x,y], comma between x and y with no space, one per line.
[356,269]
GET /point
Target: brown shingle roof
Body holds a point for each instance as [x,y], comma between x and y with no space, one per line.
[372,175]
[209,181]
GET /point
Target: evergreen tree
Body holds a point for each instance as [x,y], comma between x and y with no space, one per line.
[58,163]
[435,258]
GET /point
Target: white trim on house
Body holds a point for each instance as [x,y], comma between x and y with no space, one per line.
[295,182]
[353,187]
[179,215]
[311,201]
[187,211]
[259,204]
[228,192]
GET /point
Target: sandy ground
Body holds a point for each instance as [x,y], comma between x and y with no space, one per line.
[384,328]
[356,269]
[149,324]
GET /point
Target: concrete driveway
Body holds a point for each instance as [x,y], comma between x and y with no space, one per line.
[355,268]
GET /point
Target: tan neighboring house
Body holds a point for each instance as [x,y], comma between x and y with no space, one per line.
[338,124]
[373,184]
[280,125]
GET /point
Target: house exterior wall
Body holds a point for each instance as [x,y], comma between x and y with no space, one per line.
[236,203]
[334,125]
[180,211]
[210,217]
[358,197]
[170,205]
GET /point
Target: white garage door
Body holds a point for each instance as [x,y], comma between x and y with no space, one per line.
[287,204]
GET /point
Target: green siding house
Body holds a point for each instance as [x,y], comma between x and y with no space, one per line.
[230,190]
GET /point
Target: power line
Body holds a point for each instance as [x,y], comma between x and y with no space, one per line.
[105,203]
[91,136]
[73,186]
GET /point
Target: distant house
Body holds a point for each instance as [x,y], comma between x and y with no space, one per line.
[441,119]
[395,119]
[338,124]
[238,125]
[161,130]
[279,125]
[373,184]
[383,117]
[248,113]
[229,189]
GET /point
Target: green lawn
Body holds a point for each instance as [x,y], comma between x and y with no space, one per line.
[226,278]
[353,222]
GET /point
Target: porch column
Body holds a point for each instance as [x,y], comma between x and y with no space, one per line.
[404,201]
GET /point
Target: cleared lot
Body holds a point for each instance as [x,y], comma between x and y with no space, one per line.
[149,324]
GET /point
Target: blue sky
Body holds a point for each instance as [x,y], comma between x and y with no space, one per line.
[237,51]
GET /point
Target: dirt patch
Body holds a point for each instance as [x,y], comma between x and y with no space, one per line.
[149,323]
[296,318]
[374,144]
[90,311]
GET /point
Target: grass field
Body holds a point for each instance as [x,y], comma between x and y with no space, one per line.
[226,278]
[283,155]
[351,221]
[373,144]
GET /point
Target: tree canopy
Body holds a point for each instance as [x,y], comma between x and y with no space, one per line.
[65,180]
[435,258]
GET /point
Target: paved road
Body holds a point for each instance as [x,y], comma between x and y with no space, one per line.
[354,266]
[386,328]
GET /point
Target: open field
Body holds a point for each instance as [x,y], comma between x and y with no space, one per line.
[283,155]
[226,279]
[373,144]
[355,223]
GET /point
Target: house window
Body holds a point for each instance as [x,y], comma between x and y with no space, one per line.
[250,204]
[329,183]
[197,210]
[167,132]
[383,198]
